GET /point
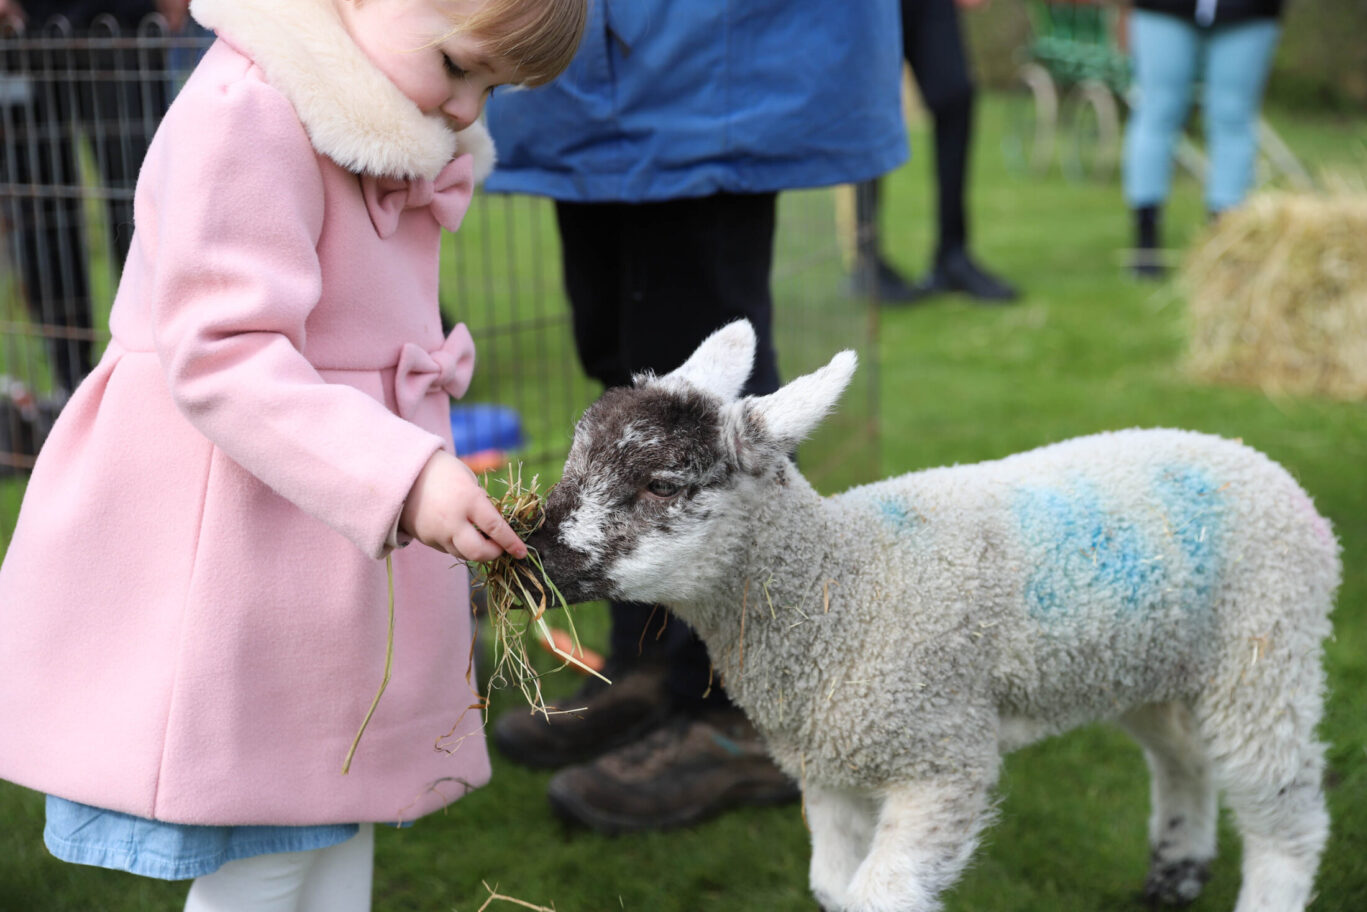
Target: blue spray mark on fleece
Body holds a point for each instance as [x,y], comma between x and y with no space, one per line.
[900,515]
[1194,506]
[1082,554]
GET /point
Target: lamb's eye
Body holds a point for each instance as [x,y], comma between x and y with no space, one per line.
[664,489]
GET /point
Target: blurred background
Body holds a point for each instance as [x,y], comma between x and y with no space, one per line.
[1257,330]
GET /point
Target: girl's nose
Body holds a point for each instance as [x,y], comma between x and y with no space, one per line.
[462,109]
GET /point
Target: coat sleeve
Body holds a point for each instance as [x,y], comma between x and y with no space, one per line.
[238,209]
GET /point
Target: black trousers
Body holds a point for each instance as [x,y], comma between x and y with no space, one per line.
[647,282]
[933,46]
[114,98]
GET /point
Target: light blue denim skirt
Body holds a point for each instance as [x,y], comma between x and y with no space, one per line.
[82,834]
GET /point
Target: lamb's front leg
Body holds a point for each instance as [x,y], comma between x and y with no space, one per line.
[841,821]
[925,835]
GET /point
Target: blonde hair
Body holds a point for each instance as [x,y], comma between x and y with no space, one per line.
[537,37]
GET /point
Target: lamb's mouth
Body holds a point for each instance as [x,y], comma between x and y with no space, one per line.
[574,588]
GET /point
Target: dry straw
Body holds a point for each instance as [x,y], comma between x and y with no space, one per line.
[1278,295]
[517,599]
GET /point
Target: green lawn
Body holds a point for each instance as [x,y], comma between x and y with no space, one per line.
[1086,350]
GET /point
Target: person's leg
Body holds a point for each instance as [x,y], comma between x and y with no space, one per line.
[1238,58]
[261,883]
[341,876]
[691,267]
[50,242]
[594,272]
[933,45]
[332,879]
[590,248]
[121,115]
[1166,53]
[873,276]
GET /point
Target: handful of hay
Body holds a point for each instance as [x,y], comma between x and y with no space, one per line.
[1278,295]
[517,599]
[509,586]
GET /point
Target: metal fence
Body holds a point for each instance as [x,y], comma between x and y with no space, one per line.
[78,107]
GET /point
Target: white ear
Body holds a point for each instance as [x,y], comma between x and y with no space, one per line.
[794,411]
[721,364]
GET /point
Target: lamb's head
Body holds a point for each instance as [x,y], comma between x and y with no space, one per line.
[663,478]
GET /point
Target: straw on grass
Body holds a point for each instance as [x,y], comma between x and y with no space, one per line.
[495,896]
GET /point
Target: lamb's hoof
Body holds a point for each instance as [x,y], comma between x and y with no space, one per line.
[1175,883]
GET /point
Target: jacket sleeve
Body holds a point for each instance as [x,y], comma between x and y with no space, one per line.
[239,208]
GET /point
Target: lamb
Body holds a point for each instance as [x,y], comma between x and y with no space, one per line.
[892,642]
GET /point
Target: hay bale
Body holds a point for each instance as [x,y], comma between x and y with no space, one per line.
[1278,295]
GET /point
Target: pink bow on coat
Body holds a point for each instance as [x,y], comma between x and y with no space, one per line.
[449,196]
[420,372]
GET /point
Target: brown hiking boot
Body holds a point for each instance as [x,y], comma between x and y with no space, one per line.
[602,717]
[684,772]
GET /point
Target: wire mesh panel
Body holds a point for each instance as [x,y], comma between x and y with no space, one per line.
[78,106]
[503,279]
[77,109]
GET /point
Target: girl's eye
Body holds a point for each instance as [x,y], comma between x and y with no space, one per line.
[664,489]
[452,70]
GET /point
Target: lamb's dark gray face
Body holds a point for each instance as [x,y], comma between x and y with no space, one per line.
[660,488]
[645,475]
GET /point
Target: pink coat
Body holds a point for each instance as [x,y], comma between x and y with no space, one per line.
[193,606]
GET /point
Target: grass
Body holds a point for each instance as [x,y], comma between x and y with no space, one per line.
[1086,350]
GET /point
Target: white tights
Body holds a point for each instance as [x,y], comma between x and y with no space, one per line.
[334,879]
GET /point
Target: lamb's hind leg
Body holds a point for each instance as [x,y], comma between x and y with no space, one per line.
[925,835]
[1269,766]
[842,823]
[1183,812]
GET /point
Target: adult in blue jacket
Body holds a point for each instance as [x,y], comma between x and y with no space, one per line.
[664,146]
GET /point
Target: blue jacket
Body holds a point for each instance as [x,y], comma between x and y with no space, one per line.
[685,98]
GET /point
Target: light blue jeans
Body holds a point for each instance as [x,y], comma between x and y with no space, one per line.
[1170,55]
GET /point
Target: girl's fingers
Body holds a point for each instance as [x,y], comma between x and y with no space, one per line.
[491,523]
[469,545]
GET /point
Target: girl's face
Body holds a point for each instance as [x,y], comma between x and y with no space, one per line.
[412,42]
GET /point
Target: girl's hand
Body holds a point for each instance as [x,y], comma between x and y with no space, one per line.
[448,510]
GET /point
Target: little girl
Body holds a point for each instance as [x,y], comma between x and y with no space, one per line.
[193,607]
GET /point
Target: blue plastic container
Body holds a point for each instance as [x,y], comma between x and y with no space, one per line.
[477,427]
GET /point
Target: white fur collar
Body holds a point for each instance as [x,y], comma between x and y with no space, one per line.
[353,114]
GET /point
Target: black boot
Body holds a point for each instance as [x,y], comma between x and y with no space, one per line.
[956,271]
[1146,263]
[873,277]
[876,278]
[595,719]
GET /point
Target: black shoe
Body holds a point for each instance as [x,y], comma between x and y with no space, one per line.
[1146,264]
[956,272]
[598,718]
[691,769]
[1146,260]
[880,281]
